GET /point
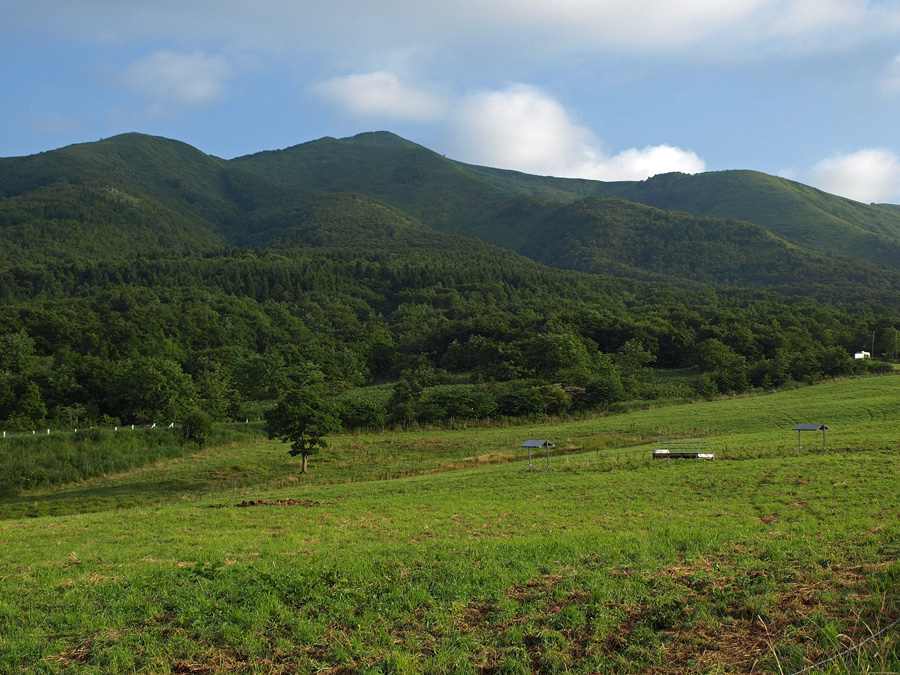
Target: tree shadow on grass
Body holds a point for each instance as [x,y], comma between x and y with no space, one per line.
[98,497]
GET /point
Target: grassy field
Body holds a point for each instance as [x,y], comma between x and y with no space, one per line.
[435,552]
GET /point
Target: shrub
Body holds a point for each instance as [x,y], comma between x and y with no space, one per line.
[455,401]
[364,408]
[196,427]
[521,400]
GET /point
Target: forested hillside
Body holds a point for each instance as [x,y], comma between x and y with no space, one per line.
[734,228]
[142,280]
[822,222]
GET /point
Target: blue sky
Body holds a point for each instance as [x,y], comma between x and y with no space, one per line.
[606,89]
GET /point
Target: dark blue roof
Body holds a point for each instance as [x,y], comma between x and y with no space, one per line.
[810,427]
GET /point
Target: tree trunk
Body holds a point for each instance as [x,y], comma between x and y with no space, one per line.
[303,470]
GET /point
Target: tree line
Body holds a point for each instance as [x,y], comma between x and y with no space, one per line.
[391,337]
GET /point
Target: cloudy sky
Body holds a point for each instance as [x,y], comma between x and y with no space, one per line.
[606,89]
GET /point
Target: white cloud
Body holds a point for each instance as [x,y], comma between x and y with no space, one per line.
[612,45]
[170,80]
[809,17]
[380,94]
[520,128]
[625,24]
[524,30]
[890,82]
[871,175]
[637,164]
[525,129]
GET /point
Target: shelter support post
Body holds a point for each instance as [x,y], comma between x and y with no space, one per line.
[530,467]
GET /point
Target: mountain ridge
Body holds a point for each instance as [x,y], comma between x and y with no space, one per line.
[143,279]
[376,189]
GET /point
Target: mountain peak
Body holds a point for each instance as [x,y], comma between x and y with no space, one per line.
[380,138]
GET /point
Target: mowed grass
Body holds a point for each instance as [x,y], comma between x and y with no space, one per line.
[436,552]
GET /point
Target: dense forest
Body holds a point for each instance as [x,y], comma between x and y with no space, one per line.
[142,281]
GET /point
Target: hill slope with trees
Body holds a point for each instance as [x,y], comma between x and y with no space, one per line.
[820,221]
[793,227]
[145,280]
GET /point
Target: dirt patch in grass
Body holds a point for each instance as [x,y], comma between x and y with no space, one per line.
[695,632]
[735,648]
[307,503]
[741,644]
[186,668]
[278,502]
[534,588]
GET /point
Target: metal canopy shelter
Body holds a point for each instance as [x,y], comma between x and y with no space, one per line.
[537,444]
[800,428]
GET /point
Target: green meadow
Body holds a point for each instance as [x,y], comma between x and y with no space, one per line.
[433,551]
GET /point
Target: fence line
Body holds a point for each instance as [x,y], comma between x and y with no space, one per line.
[118,427]
[115,428]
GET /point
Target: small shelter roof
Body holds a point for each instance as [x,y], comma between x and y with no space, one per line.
[810,427]
[537,444]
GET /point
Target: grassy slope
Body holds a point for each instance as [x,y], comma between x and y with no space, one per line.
[611,563]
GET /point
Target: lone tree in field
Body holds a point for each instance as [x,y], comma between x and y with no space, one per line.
[302,418]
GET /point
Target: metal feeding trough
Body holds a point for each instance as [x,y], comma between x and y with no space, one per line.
[683,447]
[800,428]
[537,444]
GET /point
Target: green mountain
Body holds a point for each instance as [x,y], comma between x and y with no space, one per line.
[139,194]
[439,192]
[613,236]
[135,193]
[142,279]
[820,221]
[731,228]
[111,198]
[448,195]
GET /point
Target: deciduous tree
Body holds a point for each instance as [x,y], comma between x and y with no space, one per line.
[302,418]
